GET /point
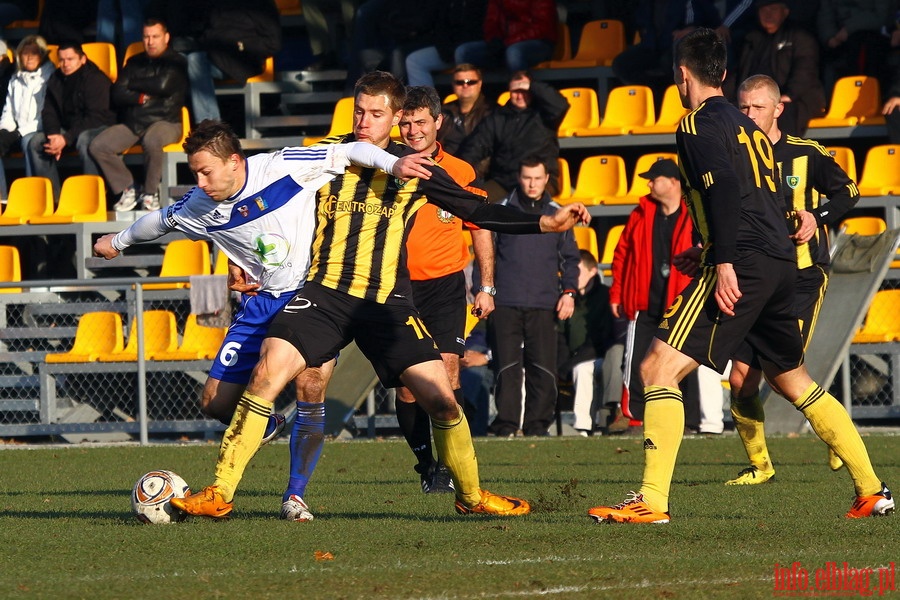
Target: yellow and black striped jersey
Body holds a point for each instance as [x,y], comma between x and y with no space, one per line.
[728,166]
[807,171]
[363,218]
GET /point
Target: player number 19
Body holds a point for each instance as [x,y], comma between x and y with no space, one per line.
[759,146]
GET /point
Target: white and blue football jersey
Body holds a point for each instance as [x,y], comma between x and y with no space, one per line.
[267,227]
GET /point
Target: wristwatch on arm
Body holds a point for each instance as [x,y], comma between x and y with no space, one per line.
[488,289]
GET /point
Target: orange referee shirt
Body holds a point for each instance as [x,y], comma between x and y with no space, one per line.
[435,246]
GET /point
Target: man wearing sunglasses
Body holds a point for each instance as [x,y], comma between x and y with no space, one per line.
[463,114]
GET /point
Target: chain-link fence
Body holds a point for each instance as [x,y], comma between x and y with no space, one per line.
[70,366]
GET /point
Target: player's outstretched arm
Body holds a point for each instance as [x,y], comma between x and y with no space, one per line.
[405,167]
[412,166]
[146,229]
[565,218]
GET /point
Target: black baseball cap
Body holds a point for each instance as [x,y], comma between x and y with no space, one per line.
[662,168]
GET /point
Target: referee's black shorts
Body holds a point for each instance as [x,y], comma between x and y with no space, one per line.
[319,322]
[441,303]
[765,315]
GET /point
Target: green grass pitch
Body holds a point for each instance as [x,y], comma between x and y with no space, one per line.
[66,529]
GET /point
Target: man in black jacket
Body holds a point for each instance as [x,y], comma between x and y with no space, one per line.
[76,109]
[530,296]
[149,93]
[526,125]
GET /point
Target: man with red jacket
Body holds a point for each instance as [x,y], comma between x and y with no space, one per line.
[644,281]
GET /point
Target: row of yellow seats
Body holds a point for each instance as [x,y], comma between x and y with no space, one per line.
[99,337]
[81,199]
[602,180]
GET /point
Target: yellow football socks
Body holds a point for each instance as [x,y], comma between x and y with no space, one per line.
[663,431]
[453,443]
[749,421]
[831,422]
[240,442]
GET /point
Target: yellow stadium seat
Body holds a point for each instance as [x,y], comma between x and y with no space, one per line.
[289,7]
[160,335]
[221,265]
[599,178]
[601,41]
[881,171]
[855,100]
[132,49]
[845,159]
[174,146]
[197,343]
[10,268]
[863,225]
[563,49]
[28,197]
[583,112]
[609,248]
[82,199]
[503,98]
[268,73]
[626,107]
[341,121]
[639,185]
[586,239]
[450,98]
[182,258]
[97,333]
[53,53]
[102,54]
[564,181]
[882,322]
[670,114]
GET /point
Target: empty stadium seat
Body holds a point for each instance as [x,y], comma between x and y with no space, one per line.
[102,54]
[863,226]
[563,49]
[564,180]
[609,249]
[583,112]
[586,239]
[97,333]
[82,199]
[599,178]
[132,49]
[28,197]
[845,159]
[182,258]
[341,121]
[670,114]
[600,42]
[221,265]
[10,268]
[882,322]
[197,343]
[881,171]
[626,107]
[855,100]
[160,335]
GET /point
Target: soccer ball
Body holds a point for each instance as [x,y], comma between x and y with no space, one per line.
[152,493]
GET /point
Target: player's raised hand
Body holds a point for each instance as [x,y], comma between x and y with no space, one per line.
[103,247]
[412,166]
[237,280]
[565,218]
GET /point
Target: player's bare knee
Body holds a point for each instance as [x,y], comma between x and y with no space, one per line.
[310,386]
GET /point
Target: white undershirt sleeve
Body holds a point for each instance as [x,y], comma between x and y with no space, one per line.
[146,229]
[369,155]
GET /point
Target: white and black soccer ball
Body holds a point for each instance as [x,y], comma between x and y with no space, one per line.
[151,496]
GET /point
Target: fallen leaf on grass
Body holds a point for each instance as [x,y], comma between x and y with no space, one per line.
[319,555]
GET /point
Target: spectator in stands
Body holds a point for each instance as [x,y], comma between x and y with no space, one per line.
[468,110]
[660,25]
[790,56]
[891,108]
[852,42]
[149,93]
[76,109]
[384,32]
[537,279]
[518,34]
[222,39]
[645,283]
[323,35]
[452,26]
[526,125]
[583,341]
[21,116]
[128,15]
